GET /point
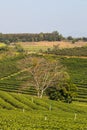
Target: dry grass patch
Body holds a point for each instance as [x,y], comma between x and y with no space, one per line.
[36,46]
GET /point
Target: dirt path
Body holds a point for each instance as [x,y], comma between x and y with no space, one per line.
[12,75]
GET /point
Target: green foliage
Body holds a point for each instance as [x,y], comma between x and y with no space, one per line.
[27,100]
[77,69]
[11,38]
[19,48]
[41,120]
[9,73]
[6,41]
[64,91]
[53,93]
[9,99]
[70,38]
[12,78]
[77,51]
[3,47]
[46,114]
[73,40]
[5,105]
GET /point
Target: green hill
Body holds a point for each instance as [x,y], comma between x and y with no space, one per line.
[11,77]
[77,68]
[21,111]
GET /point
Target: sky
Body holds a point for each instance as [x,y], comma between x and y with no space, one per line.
[68,17]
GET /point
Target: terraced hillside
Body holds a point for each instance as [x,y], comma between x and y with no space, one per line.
[11,78]
[8,70]
[77,68]
[21,111]
[25,112]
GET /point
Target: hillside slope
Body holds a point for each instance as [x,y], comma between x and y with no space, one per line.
[11,78]
[77,68]
[20,111]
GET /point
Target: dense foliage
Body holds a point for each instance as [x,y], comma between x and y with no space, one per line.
[9,38]
[35,37]
[64,91]
[73,40]
[77,51]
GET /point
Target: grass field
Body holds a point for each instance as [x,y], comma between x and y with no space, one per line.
[37,46]
[20,112]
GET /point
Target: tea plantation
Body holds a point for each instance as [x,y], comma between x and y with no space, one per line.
[11,78]
[24,112]
[77,68]
[20,111]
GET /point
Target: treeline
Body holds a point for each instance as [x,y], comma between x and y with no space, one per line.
[77,51]
[10,38]
[31,37]
[73,40]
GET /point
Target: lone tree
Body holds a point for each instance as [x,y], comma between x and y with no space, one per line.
[43,73]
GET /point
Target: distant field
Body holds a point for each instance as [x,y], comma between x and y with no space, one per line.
[36,46]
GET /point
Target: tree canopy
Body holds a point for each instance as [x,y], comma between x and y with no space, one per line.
[43,73]
[30,37]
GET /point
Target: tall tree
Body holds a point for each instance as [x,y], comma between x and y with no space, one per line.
[42,73]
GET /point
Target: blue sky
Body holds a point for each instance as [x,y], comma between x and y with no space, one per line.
[69,17]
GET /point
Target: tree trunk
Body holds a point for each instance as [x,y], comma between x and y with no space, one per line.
[41,95]
[38,94]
